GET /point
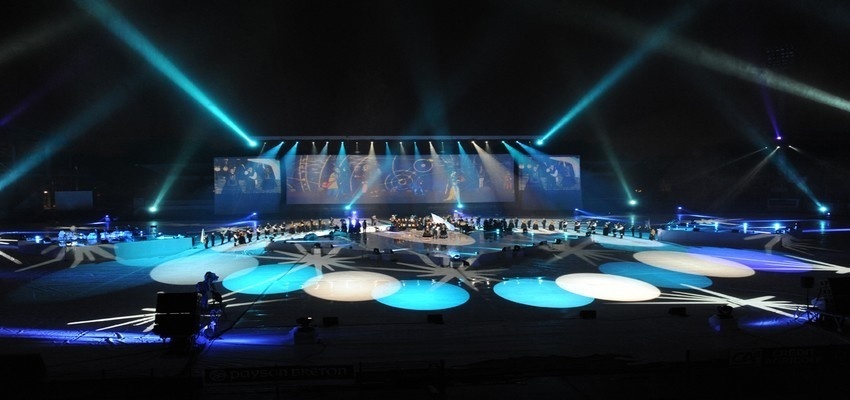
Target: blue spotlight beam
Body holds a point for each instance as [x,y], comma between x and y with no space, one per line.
[272,153]
[794,177]
[288,162]
[119,26]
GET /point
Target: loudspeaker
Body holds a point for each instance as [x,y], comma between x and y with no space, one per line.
[435,318]
[176,314]
[167,303]
[678,311]
[807,282]
[587,314]
[330,321]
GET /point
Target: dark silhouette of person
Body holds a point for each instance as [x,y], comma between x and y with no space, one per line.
[207,291]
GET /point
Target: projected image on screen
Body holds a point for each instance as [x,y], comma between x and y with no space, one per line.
[244,184]
[457,178]
[550,182]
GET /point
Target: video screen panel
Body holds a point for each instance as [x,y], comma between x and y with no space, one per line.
[550,182]
[244,184]
[348,179]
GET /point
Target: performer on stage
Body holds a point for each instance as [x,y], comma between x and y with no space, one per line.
[453,186]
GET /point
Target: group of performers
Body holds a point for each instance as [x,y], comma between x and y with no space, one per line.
[436,227]
[272,231]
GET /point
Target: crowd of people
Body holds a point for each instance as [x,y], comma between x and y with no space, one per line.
[510,225]
[436,227]
[273,231]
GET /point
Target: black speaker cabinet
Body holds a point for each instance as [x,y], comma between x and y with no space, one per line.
[176,314]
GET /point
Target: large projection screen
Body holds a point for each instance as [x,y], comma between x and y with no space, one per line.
[544,183]
[245,185]
[550,182]
[394,179]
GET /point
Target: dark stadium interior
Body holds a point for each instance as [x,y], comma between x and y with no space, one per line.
[430,199]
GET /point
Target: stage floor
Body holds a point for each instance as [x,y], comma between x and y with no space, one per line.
[509,314]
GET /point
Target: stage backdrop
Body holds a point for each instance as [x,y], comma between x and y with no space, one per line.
[550,182]
[456,178]
[534,183]
[244,185]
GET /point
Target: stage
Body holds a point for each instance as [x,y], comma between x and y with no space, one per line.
[508,313]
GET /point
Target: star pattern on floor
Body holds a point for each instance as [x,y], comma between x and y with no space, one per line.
[329,261]
[581,249]
[463,273]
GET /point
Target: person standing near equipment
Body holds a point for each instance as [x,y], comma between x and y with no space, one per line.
[209,303]
[206,290]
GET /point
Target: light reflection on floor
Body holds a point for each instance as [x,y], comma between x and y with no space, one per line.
[658,277]
[538,292]
[542,269]
[351,286]
[428,295]
[608,287]
[698,264]
[270,279]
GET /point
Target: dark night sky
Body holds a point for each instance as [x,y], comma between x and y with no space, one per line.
[361,68]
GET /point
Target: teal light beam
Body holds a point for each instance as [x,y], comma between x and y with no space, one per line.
[57,141]
[122,28]
[272,153]
[289,167]
[178,165]
[340,158]
[517,155]
[17,46]
[718,61]
[784,166]
[613,159]
[653,41]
